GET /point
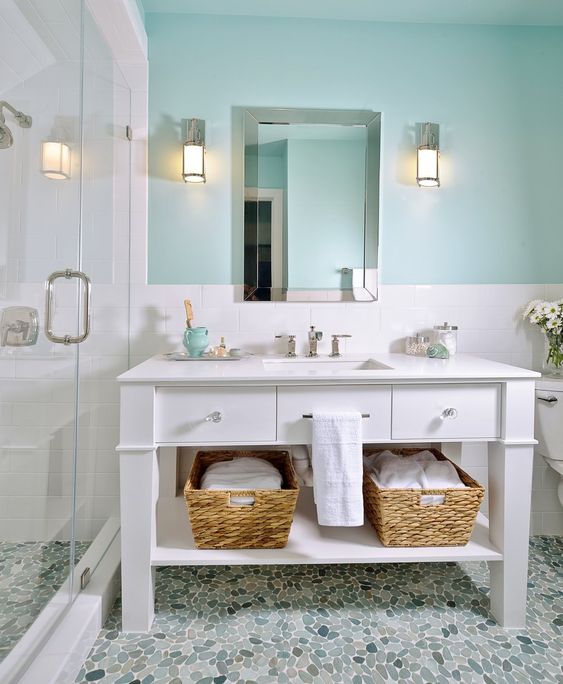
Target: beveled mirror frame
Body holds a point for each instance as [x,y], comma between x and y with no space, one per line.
[363,285]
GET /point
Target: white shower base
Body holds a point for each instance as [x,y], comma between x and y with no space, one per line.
[57,643]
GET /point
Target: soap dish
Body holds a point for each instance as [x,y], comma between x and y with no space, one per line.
[183,356]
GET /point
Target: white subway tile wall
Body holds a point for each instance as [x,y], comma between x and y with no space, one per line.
[37,388]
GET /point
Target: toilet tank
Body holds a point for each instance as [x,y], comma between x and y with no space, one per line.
[549,418]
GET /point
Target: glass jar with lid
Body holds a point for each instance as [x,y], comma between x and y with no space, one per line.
[417,344]
[446,334]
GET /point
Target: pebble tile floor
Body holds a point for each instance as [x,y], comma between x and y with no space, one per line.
[30,573]
[415,623]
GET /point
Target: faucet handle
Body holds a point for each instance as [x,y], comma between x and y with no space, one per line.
[290,344]
[335,350]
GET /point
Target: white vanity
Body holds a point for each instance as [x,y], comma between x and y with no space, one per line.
[265,401]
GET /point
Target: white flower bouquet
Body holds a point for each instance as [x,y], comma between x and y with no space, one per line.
[549,317]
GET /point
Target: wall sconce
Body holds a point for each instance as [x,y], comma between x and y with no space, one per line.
[193,170]
[55,160]
[428,153]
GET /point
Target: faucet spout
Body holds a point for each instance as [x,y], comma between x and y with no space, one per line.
[314,336]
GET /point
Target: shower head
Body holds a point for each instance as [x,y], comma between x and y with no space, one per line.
[6,137]
[23,120]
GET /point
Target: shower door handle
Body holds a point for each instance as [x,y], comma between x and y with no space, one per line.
[68,274]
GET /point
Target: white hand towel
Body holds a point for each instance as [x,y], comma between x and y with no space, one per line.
[337,469]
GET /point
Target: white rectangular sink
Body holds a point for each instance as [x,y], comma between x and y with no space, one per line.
[323,365]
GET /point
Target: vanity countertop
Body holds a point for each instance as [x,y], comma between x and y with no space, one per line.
[277,370]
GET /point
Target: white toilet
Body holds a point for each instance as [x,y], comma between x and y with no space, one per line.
[549,425]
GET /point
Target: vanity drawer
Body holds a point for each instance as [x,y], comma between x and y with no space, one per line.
[446,412]
[293,402]
[245,414]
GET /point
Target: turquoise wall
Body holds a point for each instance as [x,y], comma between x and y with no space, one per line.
[140,8]
[497,93]
[325,211]
[265,171]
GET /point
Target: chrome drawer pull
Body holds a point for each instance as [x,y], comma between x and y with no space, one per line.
[450,413]
[215,417]
[310,415]
[549,400]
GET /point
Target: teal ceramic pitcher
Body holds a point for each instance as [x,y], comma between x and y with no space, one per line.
[195,341]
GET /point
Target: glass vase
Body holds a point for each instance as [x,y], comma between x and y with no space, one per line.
[553,357]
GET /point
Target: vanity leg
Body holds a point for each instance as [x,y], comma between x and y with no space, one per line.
[139,493]
[510,488]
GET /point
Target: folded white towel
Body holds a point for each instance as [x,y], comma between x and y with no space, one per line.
[420,471]
[241,474]
[337,468]
[442,475]
[423,457]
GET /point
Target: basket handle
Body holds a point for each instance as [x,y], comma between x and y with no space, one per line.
[241,499]
[432,499]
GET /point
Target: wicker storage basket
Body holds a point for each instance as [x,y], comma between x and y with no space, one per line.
[218,524]
[401,520]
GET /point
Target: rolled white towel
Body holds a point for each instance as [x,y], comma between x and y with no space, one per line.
[302,464]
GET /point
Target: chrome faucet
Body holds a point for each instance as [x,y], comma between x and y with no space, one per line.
[290,345]
[335,350]
[314,337]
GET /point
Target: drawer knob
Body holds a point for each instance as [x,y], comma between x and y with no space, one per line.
[214,417]
[449,413]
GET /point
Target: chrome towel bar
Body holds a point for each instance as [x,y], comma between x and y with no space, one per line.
[310,415]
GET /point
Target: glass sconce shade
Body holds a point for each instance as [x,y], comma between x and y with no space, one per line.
[55,160]
[193,170]
[427,158]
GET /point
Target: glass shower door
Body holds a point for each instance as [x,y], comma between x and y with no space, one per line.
[64,220]
[40,233]
[105,258]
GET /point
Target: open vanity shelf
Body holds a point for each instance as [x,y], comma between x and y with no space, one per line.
[308,543]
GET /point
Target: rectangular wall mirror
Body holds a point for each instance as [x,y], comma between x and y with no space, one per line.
[311,204]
